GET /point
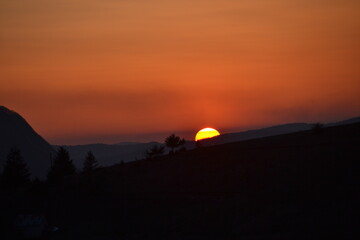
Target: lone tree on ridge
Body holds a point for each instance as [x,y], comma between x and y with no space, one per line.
[173,142]
[90,163]
[63,166]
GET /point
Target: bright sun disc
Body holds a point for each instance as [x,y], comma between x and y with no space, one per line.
[206,133]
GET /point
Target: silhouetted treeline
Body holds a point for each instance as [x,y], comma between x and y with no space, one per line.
[16,174]
[173,142]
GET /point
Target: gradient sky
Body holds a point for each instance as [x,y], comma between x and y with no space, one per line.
[85,71]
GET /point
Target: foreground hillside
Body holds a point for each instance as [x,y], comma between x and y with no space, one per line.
[295,186]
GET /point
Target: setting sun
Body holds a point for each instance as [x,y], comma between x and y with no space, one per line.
[206,133]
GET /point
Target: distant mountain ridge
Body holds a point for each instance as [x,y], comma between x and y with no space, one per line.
[128,143]
[270,131]
[258,133]
[345,122]
[109,154]
[16,132]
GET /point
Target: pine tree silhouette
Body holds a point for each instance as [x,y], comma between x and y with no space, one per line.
[63,166]
[16,173]
[90,163]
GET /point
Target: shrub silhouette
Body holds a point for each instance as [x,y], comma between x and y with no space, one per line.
[173,142]
[317,128]
[90,163]
[62,166]
[15,174]
[155,151]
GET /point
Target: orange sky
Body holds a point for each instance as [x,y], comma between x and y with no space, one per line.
[83,71]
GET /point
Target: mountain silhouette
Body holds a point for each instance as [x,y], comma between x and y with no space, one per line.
[16,132]
[345,122]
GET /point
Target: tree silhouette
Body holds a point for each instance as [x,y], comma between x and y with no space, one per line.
[173,142]
[317,128]
[62,166]
[90,163]
[155,151]
[15,174]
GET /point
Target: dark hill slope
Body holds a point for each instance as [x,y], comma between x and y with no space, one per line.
[292,152]
[257,133]
[16,132]
[270,131]
[294,186]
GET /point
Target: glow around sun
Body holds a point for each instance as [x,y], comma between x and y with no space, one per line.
[206,133]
